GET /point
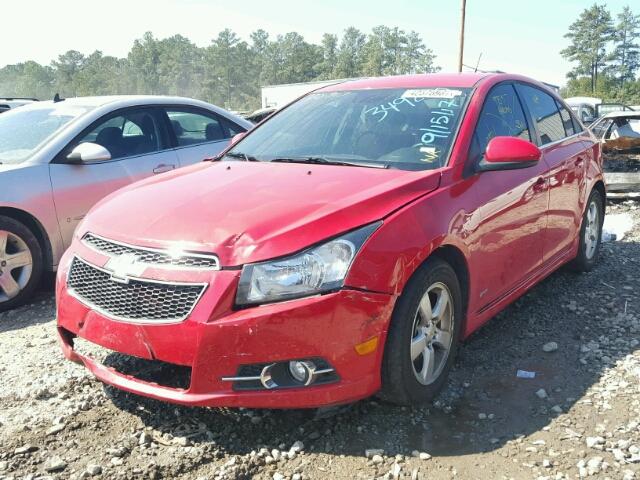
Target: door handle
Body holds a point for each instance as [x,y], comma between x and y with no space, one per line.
[163,167]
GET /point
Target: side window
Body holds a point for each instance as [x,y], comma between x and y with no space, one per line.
[545,113]
[127,134]
[501,115]
[577,127]
[567,122]
[191,128]
[232,128]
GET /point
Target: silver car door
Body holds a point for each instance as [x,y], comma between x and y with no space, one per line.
[198,133]
[139,148]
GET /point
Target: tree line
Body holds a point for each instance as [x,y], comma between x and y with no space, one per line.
[605,52]
[229,72]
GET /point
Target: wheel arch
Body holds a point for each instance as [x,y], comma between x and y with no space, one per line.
[456,259]
[33,224]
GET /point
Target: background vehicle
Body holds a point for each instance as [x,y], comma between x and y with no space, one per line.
[589,109]
[57,159]
[619,134]
[7,103]
[351,240]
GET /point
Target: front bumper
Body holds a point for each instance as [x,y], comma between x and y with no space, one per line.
[216,340]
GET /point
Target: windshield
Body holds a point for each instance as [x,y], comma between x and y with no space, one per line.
[24,130]
[408,129]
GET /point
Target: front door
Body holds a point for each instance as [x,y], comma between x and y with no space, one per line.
[512,203]
[139,148]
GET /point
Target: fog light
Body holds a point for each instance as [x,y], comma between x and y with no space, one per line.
[283,374]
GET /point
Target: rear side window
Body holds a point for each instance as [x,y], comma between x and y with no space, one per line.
[501,115]
[545,113]
[567,122]
[191,127]
[232,127]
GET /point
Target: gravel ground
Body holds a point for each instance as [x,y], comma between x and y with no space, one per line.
[579,416]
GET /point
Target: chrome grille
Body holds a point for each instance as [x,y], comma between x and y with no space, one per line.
[137,300]
[151,256]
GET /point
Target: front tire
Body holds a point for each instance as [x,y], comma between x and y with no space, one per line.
[590,234]
[423,335]
[20,263]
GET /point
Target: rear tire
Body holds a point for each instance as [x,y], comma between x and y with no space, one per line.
[590,237]
[423,335]
[21,263]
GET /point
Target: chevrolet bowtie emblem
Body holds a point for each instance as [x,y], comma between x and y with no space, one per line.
[125,266]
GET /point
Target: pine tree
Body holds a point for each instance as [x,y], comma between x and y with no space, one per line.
[626,53]
[589,36]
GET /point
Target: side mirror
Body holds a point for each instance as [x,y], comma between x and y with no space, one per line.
[509,153]
[237,137]
[88,153]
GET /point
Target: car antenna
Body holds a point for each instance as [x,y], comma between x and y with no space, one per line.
[56,98]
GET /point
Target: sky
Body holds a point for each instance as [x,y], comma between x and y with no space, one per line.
[515,36]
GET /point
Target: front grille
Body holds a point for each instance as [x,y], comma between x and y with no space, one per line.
[152,371]
[151,256]
[138,300]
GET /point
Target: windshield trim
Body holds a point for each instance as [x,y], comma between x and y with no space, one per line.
[471,91]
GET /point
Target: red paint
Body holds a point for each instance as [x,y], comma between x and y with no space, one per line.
[511,228]
[511,149]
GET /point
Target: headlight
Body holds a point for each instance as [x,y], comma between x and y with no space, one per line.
[315,270]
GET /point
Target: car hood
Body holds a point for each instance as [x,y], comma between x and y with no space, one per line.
[251,211]
[6,167]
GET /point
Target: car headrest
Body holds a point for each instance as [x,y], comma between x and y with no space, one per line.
[213,131]
[177,128]
[109,136]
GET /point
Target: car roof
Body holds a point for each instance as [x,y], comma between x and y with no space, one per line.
[429,80]
[577,101]
[122,100]
[622,113]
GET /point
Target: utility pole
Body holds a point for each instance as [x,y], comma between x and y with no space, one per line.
[461,51]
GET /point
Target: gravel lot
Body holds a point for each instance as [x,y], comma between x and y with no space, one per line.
[579,416]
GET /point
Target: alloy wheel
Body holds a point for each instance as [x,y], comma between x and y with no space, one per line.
[592,230]
[16,265]
[432,333]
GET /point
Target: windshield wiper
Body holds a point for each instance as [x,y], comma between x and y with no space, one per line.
[241,155]
[326,161]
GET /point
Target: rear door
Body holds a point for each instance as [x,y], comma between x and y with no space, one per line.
[198,133]
[137,141]
[564,154]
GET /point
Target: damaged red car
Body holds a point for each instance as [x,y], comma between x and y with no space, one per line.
[342,248]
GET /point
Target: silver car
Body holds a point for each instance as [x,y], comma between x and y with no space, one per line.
[57,159]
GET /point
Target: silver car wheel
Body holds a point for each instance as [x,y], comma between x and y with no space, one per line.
[432,335]
[592,230]
[16,265]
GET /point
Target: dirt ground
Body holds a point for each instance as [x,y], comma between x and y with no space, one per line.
[579,416]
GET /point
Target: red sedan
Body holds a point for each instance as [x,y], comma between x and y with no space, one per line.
[342,248]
